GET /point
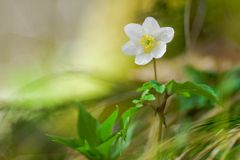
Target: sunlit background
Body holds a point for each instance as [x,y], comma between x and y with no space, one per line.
[56,54]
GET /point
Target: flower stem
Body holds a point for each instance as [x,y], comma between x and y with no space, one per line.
[155,69]
[156,78]
[159,106]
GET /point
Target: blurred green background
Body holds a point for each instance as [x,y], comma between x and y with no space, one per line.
[57,54]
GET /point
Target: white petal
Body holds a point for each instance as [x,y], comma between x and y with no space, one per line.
[130,48]
[159,50]
[165,34]
[134,31]
[150,25]
[143,59]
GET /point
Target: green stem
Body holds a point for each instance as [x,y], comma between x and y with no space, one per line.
[159,106]
[155,69]
[156,78]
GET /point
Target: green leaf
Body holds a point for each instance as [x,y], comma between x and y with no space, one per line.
[78,145]
[105,147]
[106,128]
[149,97]
[160,88]
[87,126]
[70,142]
[89,152]
[111,147]
[145,86]
[136,101]
[230,83]
[153,84]
[191,88]
[145,93]
[186,94]
[122,142]
[139,105]
[126,117]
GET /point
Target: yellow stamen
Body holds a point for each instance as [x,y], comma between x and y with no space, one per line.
[148,43]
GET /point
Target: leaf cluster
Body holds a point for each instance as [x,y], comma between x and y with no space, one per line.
[186,89]
[103,141]
[147,90]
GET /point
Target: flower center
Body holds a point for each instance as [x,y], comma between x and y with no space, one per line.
[148,43]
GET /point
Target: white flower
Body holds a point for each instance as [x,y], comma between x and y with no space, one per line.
[147,41]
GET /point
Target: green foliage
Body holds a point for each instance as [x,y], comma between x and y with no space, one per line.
[149,97]
[99,141]
[105,130]
[226,84]
[152,84]
[195,102]
[200,94]
[125,120]
[199,76]
[87,128]
[230,83]
[107,140]
[189,88]
[70,142]
[146,89]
